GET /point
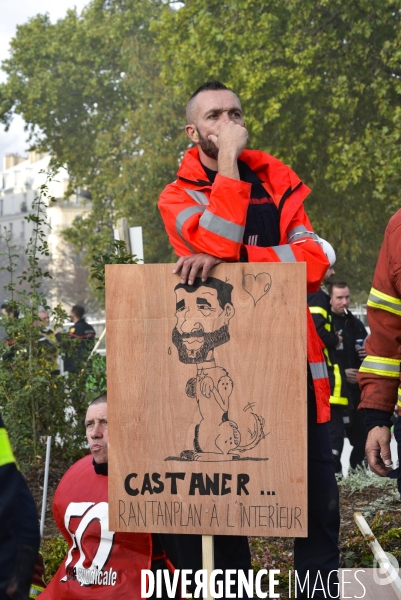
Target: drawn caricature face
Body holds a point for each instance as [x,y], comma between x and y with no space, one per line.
[202,324]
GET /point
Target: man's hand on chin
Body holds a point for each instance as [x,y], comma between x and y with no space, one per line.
[193,263]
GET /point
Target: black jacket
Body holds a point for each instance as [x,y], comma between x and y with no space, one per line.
[82,341]
[19,531]
[353,329]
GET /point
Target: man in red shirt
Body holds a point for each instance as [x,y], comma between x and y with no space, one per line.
[100,563]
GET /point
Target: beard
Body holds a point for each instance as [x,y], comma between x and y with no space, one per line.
[210,149]
[210,340]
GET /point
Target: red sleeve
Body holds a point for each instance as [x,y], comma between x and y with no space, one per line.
[379,375]
[216,228]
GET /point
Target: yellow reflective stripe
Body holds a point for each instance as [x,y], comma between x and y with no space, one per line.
[383,301]
[6,453]
[336,398]
[399,397]
[339,400]
[328,326]
[35,590]
[318,310]
[379,365]
[326,353]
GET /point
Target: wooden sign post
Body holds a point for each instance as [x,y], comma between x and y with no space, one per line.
[207,400]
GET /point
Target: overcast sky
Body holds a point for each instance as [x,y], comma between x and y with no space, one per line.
[13,13]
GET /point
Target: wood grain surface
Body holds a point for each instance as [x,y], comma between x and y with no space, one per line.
[214,443]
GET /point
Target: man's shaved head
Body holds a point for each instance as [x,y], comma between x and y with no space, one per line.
[206,87]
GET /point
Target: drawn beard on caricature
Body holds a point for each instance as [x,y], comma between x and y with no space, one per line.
[211,340]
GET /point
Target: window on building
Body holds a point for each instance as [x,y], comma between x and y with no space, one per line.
[10,231]
[1,207]
[22,230]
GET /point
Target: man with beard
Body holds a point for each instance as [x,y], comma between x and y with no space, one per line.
[203,312]
[195,343]
[233,204]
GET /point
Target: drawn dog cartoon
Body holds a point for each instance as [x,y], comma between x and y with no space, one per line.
[203,313]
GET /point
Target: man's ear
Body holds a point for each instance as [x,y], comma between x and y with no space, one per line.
[190,130]
[229,311]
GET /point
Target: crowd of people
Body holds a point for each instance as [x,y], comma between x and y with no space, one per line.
[76,346]
[343,336]
[233,204]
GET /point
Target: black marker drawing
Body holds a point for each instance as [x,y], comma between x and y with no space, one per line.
[257,286]
[203,313]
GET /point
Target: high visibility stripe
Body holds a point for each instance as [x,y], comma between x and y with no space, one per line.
[226,229]
[183,216]
[327,326]
[318,370]
[336,398]
[399,397]
[378,365]
[6,453]
[199,197]
[298,233]
[35,590]
[318,310]
[384,302]
[284,253]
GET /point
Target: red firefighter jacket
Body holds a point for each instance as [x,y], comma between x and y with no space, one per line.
[201,217]
[379,375]
[100,563]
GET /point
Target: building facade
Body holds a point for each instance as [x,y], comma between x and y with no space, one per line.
[20,182]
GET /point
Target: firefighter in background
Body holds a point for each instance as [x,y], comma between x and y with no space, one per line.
[19,529]
[350,358]
[320,307]
[379,375]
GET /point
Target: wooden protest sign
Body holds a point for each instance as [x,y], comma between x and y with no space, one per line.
[207,400]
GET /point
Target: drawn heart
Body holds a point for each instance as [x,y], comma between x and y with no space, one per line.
[258,286]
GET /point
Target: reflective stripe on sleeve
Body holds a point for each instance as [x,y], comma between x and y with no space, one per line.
[318,370]
[318,310]
[399,397]
[6,453]
[226,229]
[384,302]
[336,398]
[182,217]
[378,365]
[198,197]
[284,253]
[298,233]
